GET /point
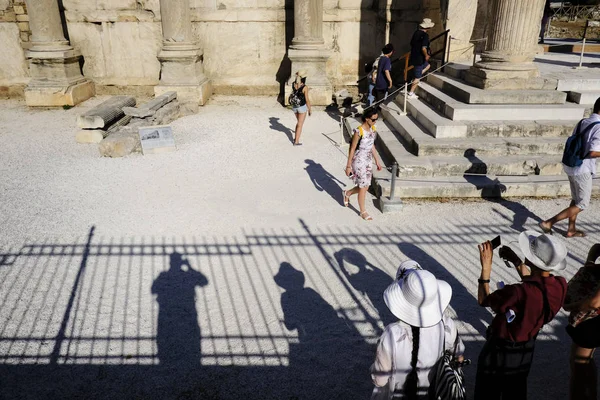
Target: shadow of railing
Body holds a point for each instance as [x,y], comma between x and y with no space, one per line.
[272,314]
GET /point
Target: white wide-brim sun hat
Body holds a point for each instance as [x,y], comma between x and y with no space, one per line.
[419,299]
[544,251]
[427,23]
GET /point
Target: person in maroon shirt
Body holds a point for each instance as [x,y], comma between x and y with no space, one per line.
[521,311]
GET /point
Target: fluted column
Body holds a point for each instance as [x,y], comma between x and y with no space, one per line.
[56,78]
[511,46]
[308,23]
[307,51]
[182,69]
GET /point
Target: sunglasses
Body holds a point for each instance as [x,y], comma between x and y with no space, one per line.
[373,119]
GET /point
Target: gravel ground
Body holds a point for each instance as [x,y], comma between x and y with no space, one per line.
[227,269]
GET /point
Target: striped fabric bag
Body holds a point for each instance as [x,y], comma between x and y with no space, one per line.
[449,383]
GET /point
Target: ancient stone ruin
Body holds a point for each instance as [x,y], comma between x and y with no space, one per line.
[114,123]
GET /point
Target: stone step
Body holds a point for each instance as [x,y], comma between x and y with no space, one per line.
[398,139]
[584,96]
[436,124]
[493,146]
[514,112]
[456,70]
[520,128]
[578,84]
[410,165]
[405,128]
[487,186]
[472,95]
[459,111]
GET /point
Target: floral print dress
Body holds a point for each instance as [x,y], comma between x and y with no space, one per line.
[362,162]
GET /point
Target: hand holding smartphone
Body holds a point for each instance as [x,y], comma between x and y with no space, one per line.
[496,242]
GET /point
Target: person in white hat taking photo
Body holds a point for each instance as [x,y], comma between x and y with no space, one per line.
[409,349]
[521,311]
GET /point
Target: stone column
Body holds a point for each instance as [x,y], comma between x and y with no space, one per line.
[507,62]
[56,78]
[182,69]
[308,52]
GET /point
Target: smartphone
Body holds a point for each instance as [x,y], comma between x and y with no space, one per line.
[496,242]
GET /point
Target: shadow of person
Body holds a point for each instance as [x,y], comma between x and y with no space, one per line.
[492,189]
[330,352]
[278,126]
[463,302]
[324,181]
[178,333]
[369,280]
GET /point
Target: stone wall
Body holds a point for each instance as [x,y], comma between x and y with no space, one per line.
[244,41]
[14,38]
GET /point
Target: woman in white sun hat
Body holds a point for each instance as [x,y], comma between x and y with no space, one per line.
[409,349]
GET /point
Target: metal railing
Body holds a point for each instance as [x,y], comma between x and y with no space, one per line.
[569,12]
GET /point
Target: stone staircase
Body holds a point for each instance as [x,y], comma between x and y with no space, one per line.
[461,141]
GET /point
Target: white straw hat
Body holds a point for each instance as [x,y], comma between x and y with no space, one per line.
[544,251]
[419,299]
[427,23]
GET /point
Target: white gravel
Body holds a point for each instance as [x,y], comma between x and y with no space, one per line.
[237,201]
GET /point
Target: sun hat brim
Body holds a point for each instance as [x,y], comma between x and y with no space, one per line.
[427,25]
[424,316]
[525,240]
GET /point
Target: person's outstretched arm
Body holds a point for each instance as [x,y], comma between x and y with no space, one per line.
[486,255]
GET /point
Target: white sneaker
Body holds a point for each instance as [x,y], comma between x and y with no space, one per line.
[412,95]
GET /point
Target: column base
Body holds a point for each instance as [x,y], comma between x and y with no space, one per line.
[314,62]
[50,96]
[502,77]
[190,96]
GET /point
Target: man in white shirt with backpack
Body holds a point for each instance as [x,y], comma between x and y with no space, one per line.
[580,166]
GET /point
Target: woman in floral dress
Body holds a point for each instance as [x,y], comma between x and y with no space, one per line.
[360,160]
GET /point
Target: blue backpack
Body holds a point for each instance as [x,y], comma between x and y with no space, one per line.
[573,155]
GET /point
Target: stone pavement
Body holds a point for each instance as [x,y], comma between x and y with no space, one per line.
[228,269]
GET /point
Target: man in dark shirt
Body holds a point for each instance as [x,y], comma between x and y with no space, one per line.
[383,80]
[521,311]
[419,54]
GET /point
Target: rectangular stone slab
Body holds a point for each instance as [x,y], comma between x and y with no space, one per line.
[149,109]
[97,135]
[105,113]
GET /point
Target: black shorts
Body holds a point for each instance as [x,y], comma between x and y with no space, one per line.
[586,334]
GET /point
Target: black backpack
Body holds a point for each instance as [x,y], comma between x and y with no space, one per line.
[573,154]
[295,100]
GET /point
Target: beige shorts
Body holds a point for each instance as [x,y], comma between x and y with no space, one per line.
[581,190]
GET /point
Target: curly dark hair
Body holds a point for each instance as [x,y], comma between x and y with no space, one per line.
[369,113]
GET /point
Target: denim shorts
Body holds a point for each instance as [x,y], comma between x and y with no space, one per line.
[300,110]
[419,69]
